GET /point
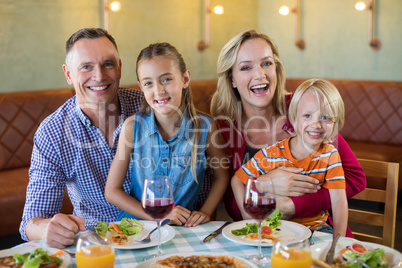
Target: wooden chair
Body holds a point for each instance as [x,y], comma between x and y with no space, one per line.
[388,172]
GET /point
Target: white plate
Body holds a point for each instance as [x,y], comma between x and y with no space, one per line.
[289,232]
[147,264]
[319,250]
[25,249]
[167,234]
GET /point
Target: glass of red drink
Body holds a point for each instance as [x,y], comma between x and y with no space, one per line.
[157,201]
[259,203]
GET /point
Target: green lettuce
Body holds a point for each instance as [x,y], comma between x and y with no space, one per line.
[373,258]
[273,220]
[36,258]
[250,228]
[102,228]
[130,226]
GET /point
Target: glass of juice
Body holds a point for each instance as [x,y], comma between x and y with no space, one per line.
[91,251]
[296,254]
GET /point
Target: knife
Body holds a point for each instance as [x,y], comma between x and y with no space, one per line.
[215,233]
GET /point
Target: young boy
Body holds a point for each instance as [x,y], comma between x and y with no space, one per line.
[317,114]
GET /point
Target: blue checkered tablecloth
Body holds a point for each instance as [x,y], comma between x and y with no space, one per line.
[190,240]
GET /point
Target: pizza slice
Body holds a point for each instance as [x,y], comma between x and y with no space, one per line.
[200,261]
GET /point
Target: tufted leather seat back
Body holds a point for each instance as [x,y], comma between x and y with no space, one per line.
[20,115]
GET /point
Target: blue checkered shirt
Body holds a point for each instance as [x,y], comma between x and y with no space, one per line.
[69,151]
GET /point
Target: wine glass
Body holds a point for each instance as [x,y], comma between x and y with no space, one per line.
[259,204]
[157,201]
[297,255]
[93,251]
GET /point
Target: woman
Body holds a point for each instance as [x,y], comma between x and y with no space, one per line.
[251,91]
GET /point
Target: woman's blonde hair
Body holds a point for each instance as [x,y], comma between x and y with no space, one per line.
[226,99]
[186,104]
[333,103]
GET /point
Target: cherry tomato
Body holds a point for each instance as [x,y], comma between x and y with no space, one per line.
[358,248]
[266,230]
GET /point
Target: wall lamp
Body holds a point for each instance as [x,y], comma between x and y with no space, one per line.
[114,6]
[203,44]
[360,6]
[284,10]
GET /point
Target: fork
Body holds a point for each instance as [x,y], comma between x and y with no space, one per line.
[148,238]
[311,236]
[330,255]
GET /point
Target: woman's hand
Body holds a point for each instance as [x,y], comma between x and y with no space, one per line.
[196,218]
[288,183]
[179,215]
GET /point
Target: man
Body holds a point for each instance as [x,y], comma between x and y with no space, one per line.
[75,145]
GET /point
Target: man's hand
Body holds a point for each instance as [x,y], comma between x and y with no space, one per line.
[58,231]
[179,215]
[288,183]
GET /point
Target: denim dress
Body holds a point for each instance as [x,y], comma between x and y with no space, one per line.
[154,156]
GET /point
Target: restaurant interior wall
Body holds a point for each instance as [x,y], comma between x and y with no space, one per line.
[336,37]
[33,34]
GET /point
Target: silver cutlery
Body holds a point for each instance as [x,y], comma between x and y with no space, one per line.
[330,255]
[72,254]
[311,236]
[148,238]
[215,233]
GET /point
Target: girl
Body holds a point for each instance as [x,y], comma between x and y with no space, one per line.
[167,138]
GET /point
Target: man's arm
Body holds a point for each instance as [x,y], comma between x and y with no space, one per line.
[44,197]
[58,231]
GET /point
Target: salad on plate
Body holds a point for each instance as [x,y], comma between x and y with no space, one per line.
[38,258]
[250,231]
[356,254]
[119,232]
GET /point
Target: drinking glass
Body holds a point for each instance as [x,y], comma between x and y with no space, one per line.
[292,255]
[259,204]
[91,251]
[157,201]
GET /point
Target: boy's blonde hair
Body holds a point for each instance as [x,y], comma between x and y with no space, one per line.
[226,99]
[333,103]
[186,104]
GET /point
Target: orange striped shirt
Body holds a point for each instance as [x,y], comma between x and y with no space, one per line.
[324,165]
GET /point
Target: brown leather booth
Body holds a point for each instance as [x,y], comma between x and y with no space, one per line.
[20,115]
[373,129]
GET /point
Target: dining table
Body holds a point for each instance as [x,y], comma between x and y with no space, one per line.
[186,240]
[189,239]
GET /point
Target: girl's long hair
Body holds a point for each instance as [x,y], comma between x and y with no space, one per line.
[186,104]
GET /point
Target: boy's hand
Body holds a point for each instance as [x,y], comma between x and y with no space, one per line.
[179,215]
[196,218]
